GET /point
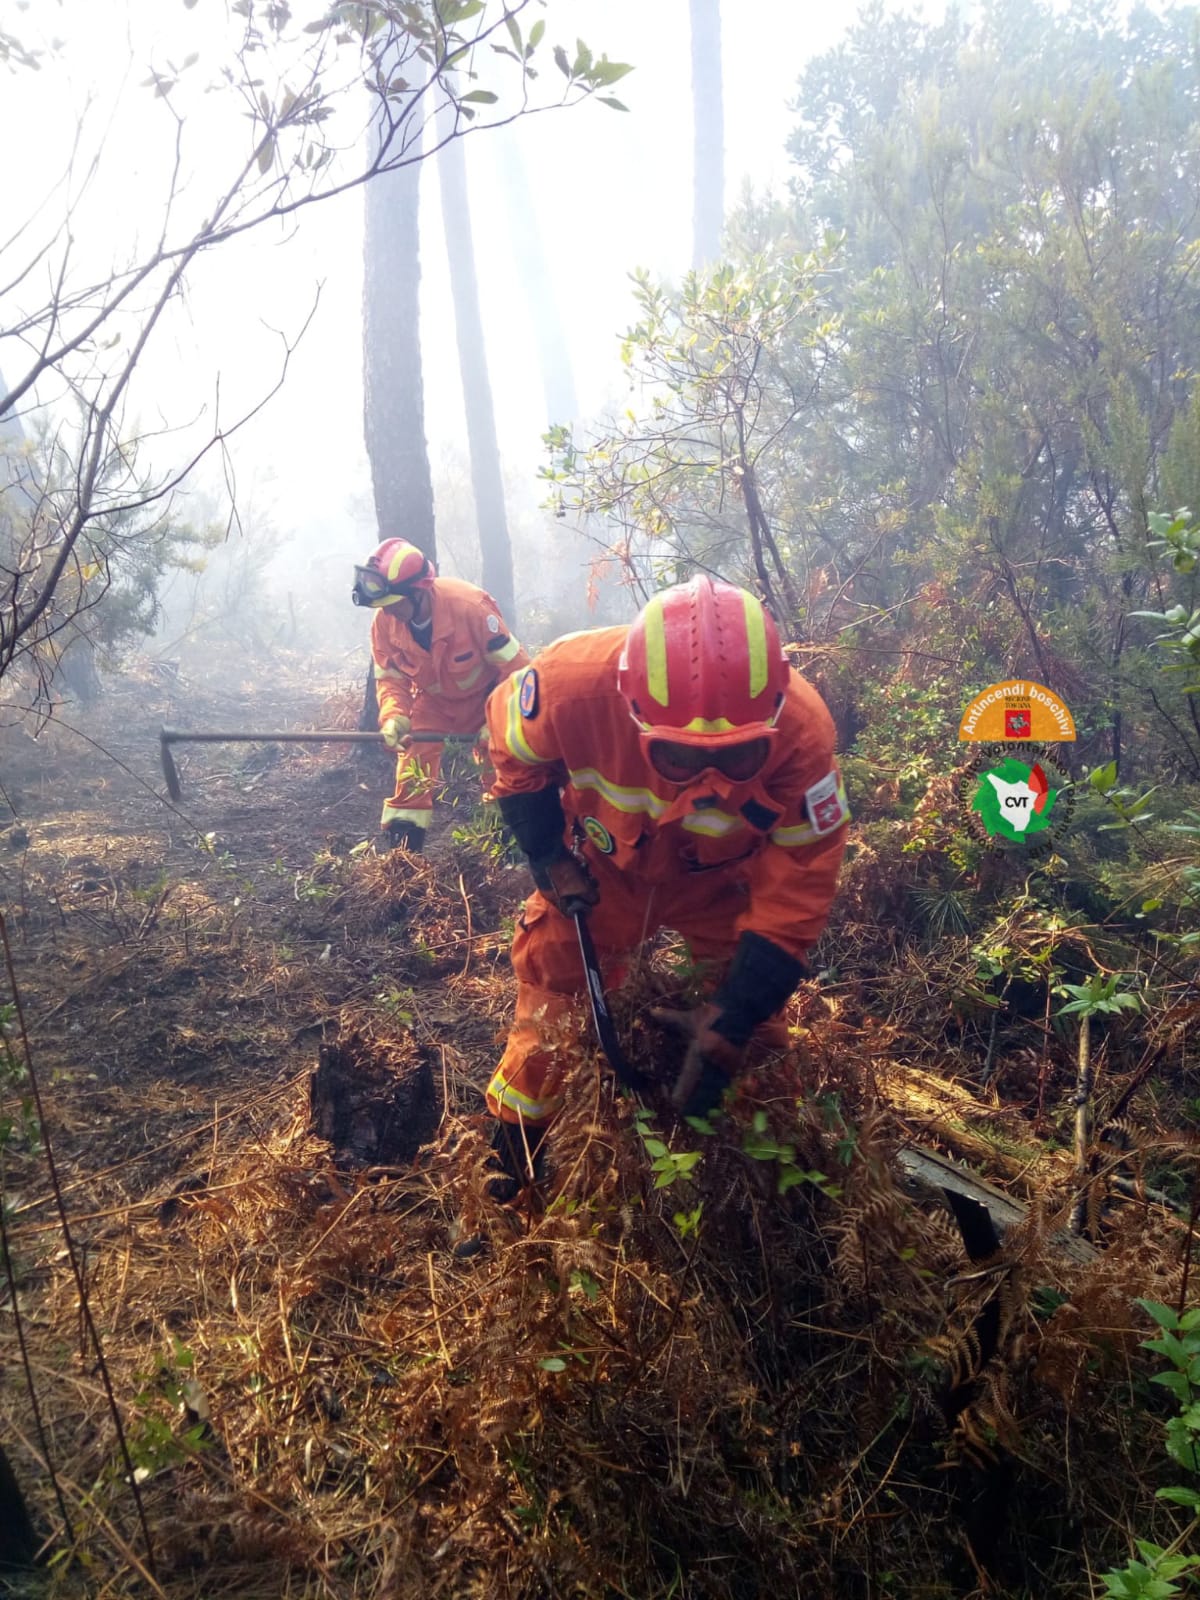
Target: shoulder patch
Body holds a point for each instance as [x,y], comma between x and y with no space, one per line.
[529,693]
[825,803]
[493,623]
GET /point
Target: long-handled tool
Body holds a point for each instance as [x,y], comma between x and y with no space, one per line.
[606,1032]
[170,736]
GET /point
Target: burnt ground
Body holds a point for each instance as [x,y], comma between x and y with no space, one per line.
[186,958]
[695,1368]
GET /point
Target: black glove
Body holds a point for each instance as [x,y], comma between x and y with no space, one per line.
[566,882]
[538,824]
[761,980]
[536,821]
[710,1065]
[706,1093]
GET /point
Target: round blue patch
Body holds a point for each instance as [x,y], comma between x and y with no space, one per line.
[529,693]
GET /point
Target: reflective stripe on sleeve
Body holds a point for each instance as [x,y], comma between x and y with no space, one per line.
[630,801]
[514,731]
[792,838]
[506,651]
[388,672]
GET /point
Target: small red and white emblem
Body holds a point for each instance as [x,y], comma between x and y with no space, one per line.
[826,807]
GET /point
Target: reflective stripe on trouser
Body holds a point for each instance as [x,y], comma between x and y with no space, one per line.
[551,991]
[417,771]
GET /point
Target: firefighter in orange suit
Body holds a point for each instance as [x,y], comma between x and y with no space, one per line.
[440,647]
[674,773]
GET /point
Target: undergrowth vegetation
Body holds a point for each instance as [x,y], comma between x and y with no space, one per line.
[714,1363]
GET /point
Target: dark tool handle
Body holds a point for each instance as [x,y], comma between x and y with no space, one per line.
[170,736]
[332,736]
[605,1030]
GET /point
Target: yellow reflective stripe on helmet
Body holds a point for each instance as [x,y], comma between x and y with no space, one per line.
[714,823]
[630,801]
[513,1100]
[506,651]
[397,561]
[656,651]
[708,725]
[792,838]
[756,643]
[514,732]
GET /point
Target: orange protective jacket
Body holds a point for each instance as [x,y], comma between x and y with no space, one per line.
[562,720]
[444,688]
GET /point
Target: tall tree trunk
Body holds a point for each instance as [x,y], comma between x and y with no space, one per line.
[393,390]
[549,329]
[708,122]
[486,481]
[1084,1114]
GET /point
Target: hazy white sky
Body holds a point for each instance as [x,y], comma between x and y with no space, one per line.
[612,192]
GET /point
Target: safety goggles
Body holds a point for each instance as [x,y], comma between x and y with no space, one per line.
[370,586]
[682,763]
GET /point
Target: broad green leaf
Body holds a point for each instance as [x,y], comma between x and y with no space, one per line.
[1180,1496]
[1157,1312]
[1103,778]
[605,72]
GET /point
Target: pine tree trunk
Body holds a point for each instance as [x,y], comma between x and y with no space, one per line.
[394,399]
[486,480]
[1084,1083]
[708,143]
[545,312]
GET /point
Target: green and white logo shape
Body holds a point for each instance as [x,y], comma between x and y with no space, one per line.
[1014,800]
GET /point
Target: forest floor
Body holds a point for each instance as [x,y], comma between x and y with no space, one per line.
[756,1363]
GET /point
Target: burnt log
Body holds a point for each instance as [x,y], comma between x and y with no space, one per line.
[18,1541]
[372,1111]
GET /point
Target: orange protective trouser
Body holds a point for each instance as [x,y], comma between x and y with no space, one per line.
[417,771]
[702,906]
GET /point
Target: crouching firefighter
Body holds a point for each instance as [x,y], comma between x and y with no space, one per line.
[440,646]
[676,773]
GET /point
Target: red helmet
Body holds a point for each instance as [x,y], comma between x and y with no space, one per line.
[396,568]
[703,665]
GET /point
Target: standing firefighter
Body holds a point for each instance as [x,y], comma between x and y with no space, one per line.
[676,773]
[440,647]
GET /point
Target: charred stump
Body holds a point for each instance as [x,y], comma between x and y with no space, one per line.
[372,1111]
[18,1542]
